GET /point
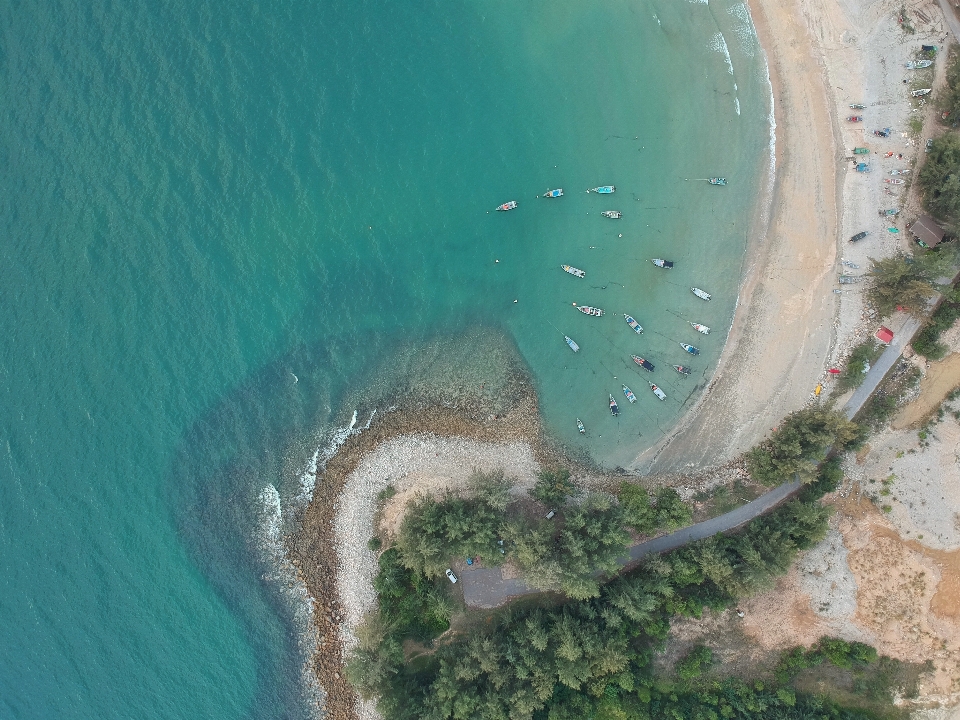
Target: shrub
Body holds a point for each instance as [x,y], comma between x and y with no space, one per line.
[637,510]
[553,487]
[928,342]
[903,281]
[694,663]
[855,371]
[670,511]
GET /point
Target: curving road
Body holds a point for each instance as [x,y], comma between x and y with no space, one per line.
[487,588]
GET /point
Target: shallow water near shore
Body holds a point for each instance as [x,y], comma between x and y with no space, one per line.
[228,231]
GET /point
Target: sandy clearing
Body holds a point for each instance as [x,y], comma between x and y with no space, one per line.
[940,378]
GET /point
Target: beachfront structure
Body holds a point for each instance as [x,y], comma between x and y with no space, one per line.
[884,335]
[927,232]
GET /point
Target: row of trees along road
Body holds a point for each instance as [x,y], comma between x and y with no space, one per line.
[589,654]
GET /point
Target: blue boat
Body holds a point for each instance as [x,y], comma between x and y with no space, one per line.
[637,328]
[629,393]
[603,189]
[554,193]
[690,349]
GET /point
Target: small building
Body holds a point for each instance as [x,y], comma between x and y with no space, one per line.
[927,232]
[884,335]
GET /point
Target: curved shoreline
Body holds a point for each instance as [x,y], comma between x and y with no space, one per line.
[783,301]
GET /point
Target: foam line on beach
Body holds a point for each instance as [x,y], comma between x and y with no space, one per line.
[719,44]
[744,29]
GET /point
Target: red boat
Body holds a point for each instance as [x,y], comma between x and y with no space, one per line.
[855,118]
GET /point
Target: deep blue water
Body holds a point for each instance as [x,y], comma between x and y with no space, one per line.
[224,228]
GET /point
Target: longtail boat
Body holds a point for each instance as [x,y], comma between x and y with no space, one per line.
[645,364]
[665,264]
[690,348]
[577,272]
[572,344]
[507,206]
[682,369]
[587,310]
[717,181]
[657,391]
[553,193]
[700,328]
[612,214]
[629,393]
[580,427]
[700,293]
[637,328]
[614,408]
[603,189]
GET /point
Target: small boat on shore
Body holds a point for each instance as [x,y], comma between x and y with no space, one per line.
[918,64]
[645,364]
[614,408]
[629,393]
[849,264]
[893,181]
[682,369]
[553,193]
[700,293]
[861,151]
[637,328]
[900,172]
[603,189]
[700,328]
[665,264]
[587,310]
[882,133]
[717,181]
[858,106]
[580,427]
[921,93]
[612,214]
[576,272]
[855,118]
[657,391]
[507,206]
[572,344]
[690,348]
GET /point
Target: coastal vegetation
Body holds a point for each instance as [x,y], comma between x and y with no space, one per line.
[927,342]
[861,357]
[800,444]
[904,281]
[591,657]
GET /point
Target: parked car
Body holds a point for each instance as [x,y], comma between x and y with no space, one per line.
[451,577]
[859,236]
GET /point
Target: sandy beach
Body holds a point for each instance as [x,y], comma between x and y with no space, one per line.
[789,327]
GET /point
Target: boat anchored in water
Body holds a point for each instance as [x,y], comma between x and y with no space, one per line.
[717,181]
[614,408]
[645,364]
[553,193]
[700,293]
[690,348]
[603,189]
[657,391]
[580,427]
[629,393]
[507,206]
[577,272]
[665,264]
[572,344]
[587,310]
[612,214]
[682,369]
[700,328]
[637,328]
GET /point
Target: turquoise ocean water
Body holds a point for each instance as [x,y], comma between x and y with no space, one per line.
[226,227]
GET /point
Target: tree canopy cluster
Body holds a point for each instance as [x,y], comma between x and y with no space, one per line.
[590,658]
[800,444]
[939,179]
[587,535]
[903,281]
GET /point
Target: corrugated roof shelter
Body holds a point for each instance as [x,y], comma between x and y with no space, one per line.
[884,335]
[927,232]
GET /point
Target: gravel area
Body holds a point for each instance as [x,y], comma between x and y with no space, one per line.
[825,576]
[411,464]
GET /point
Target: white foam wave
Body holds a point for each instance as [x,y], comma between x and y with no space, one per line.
[699,2]
[322,455]
[718,44]
[736,102]
[744,29]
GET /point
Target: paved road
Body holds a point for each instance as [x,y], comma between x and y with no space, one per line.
[485,588]
[881,367]
[950,16]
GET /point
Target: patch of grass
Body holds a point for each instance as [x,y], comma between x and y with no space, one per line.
[928,342]
[916,125]
[866,353]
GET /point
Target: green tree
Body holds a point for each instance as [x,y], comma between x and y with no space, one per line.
[901,281]
[553,487]
[694,663]
[638,512]
[592,538]
[939,178]
[671,512]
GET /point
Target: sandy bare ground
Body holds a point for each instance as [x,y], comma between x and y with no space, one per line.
[782,332]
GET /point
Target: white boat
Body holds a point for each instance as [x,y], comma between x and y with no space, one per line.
[554,193]
[572,344]
[700,328]
[637,328]
[893,181]
[577,272]
[507,206]
[921,93]
[918,64]
[629,393]
[580,427]
[657,391]
[700,293]
[660,263]
[612,214]
[603,189]
[900,172]
[587,310]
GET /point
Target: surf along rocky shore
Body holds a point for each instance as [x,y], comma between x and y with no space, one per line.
[312,548]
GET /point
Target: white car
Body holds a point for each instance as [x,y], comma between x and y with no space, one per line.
[451,577]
